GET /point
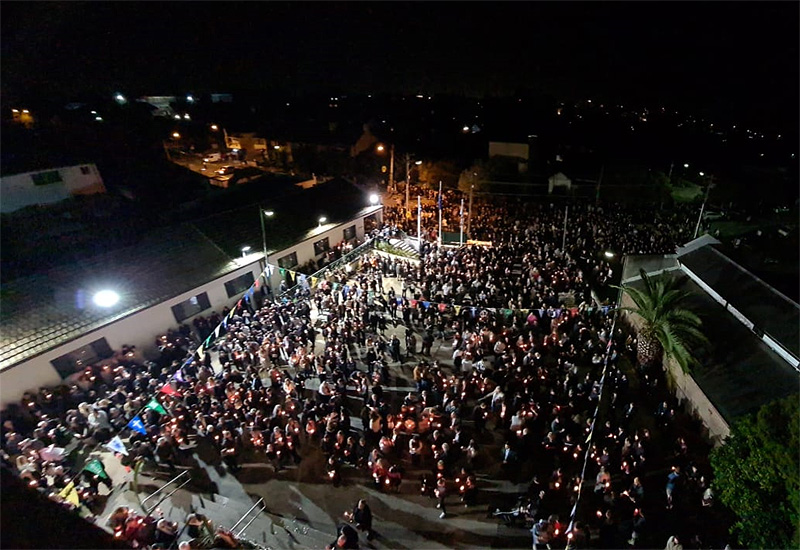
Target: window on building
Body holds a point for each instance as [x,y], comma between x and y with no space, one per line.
[370,223]
[289,261]
[237,286]
[350,233]
[46,178]
[72,362]
[191,307]
[321,246]
[85,170]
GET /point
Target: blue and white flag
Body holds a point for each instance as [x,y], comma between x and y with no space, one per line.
[137,425]
[117,445]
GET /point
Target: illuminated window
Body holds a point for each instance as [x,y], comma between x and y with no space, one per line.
[191,307]
[289,261]
[237,286]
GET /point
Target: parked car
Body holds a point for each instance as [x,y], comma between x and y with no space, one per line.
[212,157]
[226,170]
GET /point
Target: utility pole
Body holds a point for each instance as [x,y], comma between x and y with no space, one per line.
[419,223]
[703,207]
[564,238]
[391,168]
[469,214]
[599,181]
[439,204]
[461,237]
[408,180]
[669,176]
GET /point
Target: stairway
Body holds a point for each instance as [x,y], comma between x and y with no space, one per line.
[405,245]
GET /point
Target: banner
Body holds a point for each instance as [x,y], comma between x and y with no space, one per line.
[425,304]
[96,467]
[314,281]
[70,494]
[117,445]
[442,307]
[137,425]
[154,405]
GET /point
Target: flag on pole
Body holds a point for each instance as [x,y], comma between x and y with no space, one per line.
[439,197]
[314,281]
[169,390]
[96,467]
[136,424]
[117,445]
[179,376]
[70,494]
[458,309]
[154,405]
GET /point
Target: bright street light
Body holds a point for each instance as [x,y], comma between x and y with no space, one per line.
[269,213]
[214,127]
[374,199]
[106,298]
[322,220]
[190,98]
[686,165]
[119,98]
[186,116]
[380,148]
[176,135]
[245,250]
[702,174]
[276,147]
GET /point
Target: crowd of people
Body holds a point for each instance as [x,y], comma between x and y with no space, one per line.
[528,349]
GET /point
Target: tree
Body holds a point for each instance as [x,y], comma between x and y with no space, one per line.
[431,173]
[756,476]
[667,327]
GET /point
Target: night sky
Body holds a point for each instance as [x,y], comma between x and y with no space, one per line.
[738,59]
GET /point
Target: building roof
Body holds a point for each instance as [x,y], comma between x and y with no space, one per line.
[296,213]
[740,373]
[45,310]
[769,310]
[48,309]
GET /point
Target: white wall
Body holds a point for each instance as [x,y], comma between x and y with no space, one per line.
[139,329]
[507,149]
[305,248]
[687,390]
[19,191]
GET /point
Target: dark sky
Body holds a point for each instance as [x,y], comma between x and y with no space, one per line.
[740,57]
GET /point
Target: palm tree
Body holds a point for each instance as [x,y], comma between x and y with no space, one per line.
[667,325]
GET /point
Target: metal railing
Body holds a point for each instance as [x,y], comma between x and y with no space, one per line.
[261,507]
[158,491]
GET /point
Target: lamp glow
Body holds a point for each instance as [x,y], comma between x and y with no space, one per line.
[374,198]
[322,220]
[106,298]
[608,254]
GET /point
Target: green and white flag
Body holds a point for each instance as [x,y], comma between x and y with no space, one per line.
[154,405]
[96,467]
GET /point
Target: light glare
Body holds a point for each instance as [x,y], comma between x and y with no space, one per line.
[106,298]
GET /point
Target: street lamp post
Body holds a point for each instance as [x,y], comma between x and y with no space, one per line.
[408,178]
[268,214]
[703,207]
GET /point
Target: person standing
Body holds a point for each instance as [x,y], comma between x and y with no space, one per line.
[362,517]
[441,494]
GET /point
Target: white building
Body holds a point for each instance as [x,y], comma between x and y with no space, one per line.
[50,328]
[49,186]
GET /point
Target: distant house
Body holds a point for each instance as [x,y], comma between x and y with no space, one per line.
[558,180]
[49,186]
[162,103]
[516,151]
